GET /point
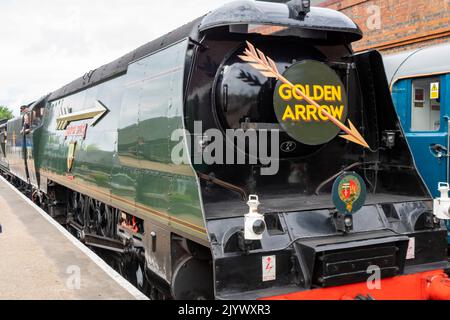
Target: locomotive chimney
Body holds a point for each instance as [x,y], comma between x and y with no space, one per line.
[300,7]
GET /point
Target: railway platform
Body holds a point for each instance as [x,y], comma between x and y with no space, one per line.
[41,260]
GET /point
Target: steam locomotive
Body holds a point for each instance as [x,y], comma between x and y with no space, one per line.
[99,157]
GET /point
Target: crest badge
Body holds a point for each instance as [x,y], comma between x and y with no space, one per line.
[349,193]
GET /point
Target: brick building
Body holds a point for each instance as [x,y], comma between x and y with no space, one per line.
[396,25]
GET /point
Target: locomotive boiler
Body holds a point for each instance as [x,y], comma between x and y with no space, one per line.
[263,218]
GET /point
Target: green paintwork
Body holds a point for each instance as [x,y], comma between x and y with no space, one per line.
[125,158]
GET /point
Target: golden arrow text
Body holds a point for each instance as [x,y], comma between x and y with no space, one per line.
[268,68]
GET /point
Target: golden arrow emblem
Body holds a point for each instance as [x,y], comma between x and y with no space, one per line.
[94,113]
[267,67]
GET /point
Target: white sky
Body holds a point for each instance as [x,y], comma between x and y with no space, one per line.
[46,44]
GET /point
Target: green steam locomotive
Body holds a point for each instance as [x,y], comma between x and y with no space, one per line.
[114,156]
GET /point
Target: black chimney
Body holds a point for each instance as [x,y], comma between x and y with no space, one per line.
[301,7]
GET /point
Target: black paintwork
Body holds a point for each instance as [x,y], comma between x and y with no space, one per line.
[301,182]
[311,253]
[337,26]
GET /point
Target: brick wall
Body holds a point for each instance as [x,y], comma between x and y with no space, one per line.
[397,25]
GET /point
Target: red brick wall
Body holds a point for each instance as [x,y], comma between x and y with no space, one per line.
[404,24]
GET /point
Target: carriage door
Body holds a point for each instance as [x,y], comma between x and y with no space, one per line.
[35,121]
[420,105]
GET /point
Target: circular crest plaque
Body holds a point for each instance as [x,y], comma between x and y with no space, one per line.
[349,193]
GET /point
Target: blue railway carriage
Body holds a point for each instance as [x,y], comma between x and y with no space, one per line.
[420,86]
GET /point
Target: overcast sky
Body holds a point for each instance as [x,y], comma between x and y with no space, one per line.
[47,43]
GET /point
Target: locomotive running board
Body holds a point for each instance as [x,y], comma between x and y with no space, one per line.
[95,240]
[103,243]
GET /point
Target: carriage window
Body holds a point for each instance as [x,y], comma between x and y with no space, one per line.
[426,105]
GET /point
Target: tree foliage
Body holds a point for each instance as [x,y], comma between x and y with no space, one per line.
[5,113]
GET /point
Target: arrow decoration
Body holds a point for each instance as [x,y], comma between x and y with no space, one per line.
[267,67]
[94,113]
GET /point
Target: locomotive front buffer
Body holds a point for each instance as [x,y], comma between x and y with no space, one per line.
[303,255]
